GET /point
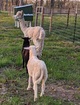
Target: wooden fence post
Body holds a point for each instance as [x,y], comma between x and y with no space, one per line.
[50,26]
[51,12]
[36,17]
[42,18]
[1,2]
[68,17]
[75,23]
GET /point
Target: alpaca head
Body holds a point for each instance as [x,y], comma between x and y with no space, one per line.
[19,15]
[26,41]
[32,50]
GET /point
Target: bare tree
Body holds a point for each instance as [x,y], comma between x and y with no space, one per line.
[1,3]
[21,2]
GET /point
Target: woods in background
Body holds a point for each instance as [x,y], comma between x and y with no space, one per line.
[5,4]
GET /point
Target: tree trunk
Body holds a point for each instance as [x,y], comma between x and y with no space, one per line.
[1,3]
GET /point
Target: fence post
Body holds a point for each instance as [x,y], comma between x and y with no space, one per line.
[1,5]
[50,26]
[42,18]
[75,23]
[51,12]
[68,17]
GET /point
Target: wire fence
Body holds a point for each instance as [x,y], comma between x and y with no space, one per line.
[65,21]
[60,27]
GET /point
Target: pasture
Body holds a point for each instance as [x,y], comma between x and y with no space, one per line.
[61,56]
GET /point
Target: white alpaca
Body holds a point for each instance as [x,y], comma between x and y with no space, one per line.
[37,72]
[37,34]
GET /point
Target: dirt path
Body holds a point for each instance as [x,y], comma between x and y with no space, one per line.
[58,90]
[64,92]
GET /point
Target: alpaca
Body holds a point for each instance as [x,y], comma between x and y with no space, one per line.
[25,52]
[37,71]
[37,33]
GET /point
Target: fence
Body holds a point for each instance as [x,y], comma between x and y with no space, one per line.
[65,24]
[62,20]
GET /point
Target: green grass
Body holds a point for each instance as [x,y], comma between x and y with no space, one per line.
[61,56]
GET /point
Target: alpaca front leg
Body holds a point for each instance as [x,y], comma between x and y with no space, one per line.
[15,23]
[35,91]
[29,83]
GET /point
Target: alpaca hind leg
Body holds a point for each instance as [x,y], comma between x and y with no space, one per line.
[23,62]
[26,70]
[42,88]
[35,91]
[43,84]
[33,80]
[29,83]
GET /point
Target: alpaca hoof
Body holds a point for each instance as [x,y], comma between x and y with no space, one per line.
[41,95]
[35,99]
[28,88]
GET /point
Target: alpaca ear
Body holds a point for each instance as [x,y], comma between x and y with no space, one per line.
[26,38]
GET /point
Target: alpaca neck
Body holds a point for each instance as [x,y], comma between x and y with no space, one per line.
[22,25]
[33,55]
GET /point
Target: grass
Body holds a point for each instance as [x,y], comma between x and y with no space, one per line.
[61,56]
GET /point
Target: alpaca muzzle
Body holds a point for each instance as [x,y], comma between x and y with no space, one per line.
[17,18]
